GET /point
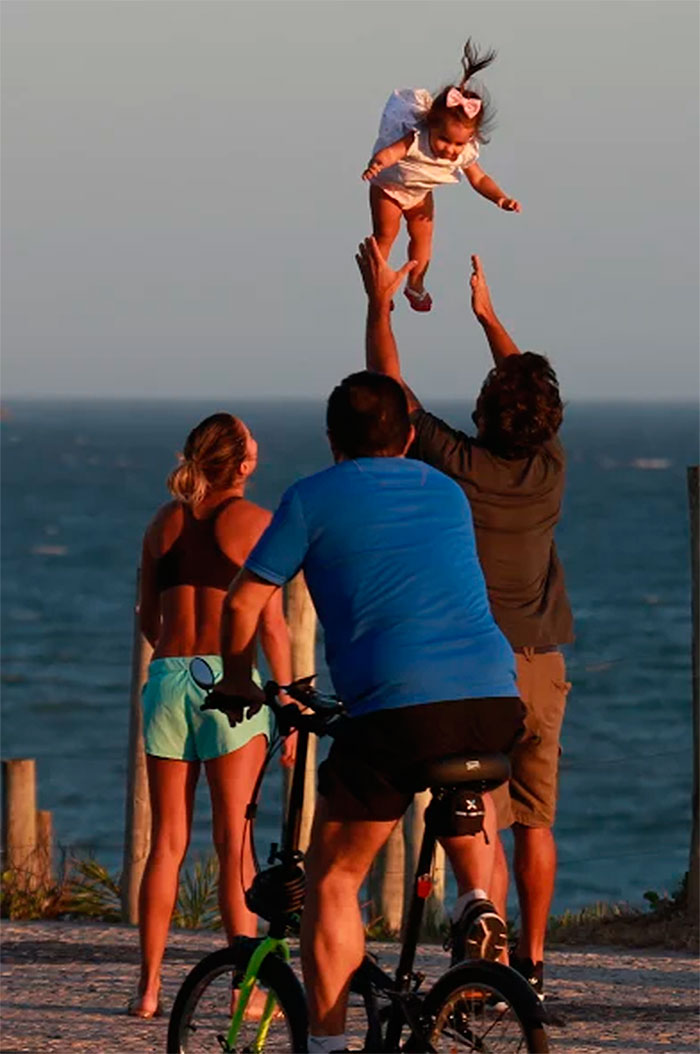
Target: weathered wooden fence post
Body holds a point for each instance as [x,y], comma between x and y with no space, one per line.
[386,882]
[694,862]
[137,827]
[19,821]
[434,914]
[44,848]
[301,621]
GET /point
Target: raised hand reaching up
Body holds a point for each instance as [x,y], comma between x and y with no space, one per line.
[379,279]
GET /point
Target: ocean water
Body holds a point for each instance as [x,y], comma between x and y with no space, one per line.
[81,480]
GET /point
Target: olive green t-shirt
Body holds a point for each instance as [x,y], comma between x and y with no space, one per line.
[515,505]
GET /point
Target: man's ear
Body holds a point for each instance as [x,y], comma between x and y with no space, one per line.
[409,442]
[337,454]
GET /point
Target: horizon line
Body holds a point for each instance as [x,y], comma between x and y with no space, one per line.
[6,400]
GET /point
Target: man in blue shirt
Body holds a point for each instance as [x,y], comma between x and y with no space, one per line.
[388,551]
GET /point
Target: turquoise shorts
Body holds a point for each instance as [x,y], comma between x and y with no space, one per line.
[175,727]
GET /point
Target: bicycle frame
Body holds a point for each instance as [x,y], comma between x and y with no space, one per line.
[268,946]
[275,942]
[401,1010]
[279,895]
[292,824]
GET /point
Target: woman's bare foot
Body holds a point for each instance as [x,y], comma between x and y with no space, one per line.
[145,1005]
[256,1005]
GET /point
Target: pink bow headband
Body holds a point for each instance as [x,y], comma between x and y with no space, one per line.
[471,107]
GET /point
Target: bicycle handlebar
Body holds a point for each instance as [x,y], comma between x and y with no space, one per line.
[326,709]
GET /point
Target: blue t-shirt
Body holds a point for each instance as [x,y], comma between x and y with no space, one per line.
[387,547]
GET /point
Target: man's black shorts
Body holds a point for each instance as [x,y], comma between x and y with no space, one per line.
[368,772]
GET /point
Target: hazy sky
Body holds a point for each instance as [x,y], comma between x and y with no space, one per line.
[181,194]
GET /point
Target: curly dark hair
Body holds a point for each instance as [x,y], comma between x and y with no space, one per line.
[473,61]
[519,406]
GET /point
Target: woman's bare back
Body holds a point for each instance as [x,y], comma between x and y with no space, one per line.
[186,619]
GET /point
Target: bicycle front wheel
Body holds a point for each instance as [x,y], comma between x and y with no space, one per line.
[202,1011]
[483,1006]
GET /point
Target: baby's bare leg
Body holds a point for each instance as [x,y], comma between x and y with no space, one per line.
[419,223]
[386,219]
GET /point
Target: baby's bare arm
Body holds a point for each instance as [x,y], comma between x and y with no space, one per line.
[388,156]
[488,188]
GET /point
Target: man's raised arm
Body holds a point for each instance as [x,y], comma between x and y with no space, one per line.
[381,283]
[501,343]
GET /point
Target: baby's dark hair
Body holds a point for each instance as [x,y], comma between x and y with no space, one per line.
[519,407]
[482,123]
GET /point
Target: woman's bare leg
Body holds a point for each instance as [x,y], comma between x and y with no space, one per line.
[419,223]
[386,219]
[171,786]
[231,781]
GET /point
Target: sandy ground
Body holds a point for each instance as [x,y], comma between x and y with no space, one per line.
[65,987]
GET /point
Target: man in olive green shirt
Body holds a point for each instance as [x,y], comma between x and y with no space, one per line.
[512,471]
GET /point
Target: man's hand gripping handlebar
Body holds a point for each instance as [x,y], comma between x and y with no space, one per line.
[317,711]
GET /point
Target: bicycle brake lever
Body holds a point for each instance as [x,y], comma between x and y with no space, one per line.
[301,689]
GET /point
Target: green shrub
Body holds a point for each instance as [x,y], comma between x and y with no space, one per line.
[85,888]
[197,901]
[93,892]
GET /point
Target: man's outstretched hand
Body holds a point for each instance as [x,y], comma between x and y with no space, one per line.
[481,298]
[380,281]
[500,341]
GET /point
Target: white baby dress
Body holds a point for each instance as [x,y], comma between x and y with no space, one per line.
[409,180]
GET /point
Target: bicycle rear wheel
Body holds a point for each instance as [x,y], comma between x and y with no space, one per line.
[201,1014]
[483,1006]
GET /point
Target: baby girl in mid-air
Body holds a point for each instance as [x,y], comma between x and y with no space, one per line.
[423,142]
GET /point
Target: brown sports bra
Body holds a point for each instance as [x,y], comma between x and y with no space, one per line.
[195,557]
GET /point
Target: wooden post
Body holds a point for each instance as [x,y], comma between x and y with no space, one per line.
[137,827]
[301,621]
[386,883]
[19,826]
[694,862]
[44,849]
[434,915]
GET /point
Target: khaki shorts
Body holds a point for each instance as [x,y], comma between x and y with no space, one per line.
[531,796]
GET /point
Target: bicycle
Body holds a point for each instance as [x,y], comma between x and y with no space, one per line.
[476,1005]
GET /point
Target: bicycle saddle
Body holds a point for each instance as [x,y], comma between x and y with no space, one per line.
[491,769]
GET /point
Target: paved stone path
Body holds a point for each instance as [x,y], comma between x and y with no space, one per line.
[65,987]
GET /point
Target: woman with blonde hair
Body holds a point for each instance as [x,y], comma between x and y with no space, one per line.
[192,549]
